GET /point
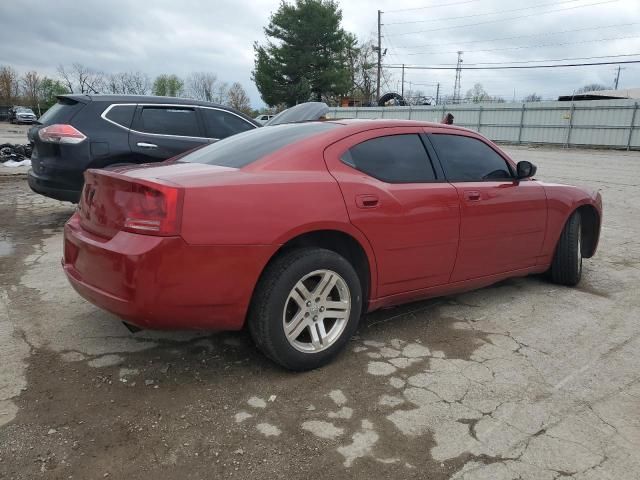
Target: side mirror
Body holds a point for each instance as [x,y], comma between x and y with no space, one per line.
[525,169]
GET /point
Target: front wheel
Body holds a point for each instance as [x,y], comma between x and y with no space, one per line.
[566,267]
[306,307]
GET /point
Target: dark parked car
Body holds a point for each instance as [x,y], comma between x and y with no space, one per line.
[21,115]
[97,131]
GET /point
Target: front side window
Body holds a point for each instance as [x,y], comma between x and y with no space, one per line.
[392,159]
[178,121]
[221,124]
[466,159]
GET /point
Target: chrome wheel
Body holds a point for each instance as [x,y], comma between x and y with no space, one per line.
[316,311]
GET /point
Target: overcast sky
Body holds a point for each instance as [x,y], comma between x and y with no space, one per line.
[169,36]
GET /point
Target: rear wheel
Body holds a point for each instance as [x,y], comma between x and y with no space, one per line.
[306,307]
[566,268]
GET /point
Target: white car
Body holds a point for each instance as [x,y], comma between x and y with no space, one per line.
[22,115]
[263,118]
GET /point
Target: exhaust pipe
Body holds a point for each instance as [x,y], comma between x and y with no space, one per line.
[131,328]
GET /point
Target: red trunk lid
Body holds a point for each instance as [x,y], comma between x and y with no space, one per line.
[141,199]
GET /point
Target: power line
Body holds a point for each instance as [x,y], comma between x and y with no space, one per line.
[503,19]
[431,20]
[431,6]
[520,47]
[521,36]
[547,60]
[419,67]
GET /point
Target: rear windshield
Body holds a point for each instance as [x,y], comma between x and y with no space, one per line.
[61,112]
[244,148]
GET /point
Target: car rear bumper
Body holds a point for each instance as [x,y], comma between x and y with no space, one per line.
[50,187]
[163,282]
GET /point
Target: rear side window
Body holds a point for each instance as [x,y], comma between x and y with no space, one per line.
[61,112]
[222,124]
[121,114]
[177,121]
[467,159]
[242,149]
[392,159]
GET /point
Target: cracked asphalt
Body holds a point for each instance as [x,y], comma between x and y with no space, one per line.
[522,380]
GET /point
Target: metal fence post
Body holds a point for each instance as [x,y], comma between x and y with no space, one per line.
[633,121]
[479,118]
[442,111]
[382,114]
[573,107]
[409,112]
[521,123]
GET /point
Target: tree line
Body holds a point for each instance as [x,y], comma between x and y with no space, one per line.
[39,91]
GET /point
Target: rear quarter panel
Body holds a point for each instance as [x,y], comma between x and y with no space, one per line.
[267,202]
[261,208]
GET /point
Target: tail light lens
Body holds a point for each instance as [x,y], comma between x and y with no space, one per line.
[61,133]
[153,210]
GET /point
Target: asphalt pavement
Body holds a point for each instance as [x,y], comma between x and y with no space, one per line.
[524,379]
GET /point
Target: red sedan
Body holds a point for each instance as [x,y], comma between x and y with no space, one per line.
[297,230]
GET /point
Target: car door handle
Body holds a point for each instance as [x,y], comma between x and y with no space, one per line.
[472,195]
[367,201]
[147,145]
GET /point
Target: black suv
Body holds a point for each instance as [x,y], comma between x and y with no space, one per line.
[95,131]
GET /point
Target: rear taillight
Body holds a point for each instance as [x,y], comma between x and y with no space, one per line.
[153,210]
[61,133]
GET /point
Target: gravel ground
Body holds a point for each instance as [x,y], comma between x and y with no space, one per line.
[521,380]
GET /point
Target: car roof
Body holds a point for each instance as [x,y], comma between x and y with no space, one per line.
[85,98]
[363,124]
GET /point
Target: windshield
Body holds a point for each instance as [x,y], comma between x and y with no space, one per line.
[244,148]
[24,110]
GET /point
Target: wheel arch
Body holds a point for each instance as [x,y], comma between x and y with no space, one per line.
[347,244]
[590,221]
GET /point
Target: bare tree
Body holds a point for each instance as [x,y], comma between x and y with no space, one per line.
[534,97]
[362,60]
[9,86]
[592,87]
[206,86]
[81,79]
[138,83]
[128,83]
[239,99]
[477,94]
[31,88]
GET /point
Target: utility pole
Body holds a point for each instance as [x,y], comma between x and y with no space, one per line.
[402,92]
[437,93]
[615,83]
[379,55]
[456,85]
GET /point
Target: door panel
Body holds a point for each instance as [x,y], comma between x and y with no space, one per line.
[502,227]
[412,227]
[160,132]
[502,220]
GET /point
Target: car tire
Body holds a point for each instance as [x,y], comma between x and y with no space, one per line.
[291,318]
[566,267]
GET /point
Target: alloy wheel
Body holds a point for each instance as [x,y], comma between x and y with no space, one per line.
[316,311]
